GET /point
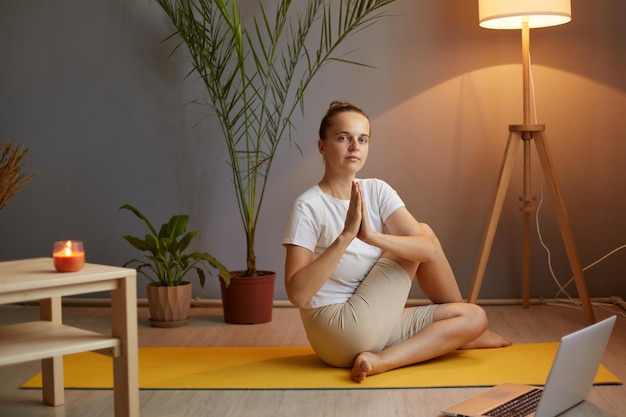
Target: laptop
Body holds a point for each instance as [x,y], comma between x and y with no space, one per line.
[569,382]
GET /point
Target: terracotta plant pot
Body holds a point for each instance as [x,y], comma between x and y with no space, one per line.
[248,300]
[169,306]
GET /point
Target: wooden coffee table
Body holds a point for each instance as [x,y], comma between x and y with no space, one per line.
[49,339]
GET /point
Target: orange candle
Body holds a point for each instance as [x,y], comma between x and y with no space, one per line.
[68,256]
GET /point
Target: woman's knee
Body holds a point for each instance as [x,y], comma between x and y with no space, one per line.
[474,317]
[477,317]
[433,237]
[429,231]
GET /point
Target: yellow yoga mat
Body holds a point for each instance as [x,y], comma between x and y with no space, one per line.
[299,368]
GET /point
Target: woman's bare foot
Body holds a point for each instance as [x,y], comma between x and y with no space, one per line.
[368,363]
[362,367]
[488,339]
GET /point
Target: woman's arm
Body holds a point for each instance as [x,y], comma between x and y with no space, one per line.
[407,238]
[304,276]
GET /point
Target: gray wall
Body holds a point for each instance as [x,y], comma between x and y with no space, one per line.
[88,87]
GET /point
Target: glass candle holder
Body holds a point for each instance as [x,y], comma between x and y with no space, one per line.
[68,255]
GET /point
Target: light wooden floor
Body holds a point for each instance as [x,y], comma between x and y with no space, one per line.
[206,328]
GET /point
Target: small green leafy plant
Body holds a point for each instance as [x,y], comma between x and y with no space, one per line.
[166,263]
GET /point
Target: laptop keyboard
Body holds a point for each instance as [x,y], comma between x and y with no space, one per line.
[520,406]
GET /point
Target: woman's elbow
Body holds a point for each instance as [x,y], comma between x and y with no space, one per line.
[296,300]
[294,296]
[297,303]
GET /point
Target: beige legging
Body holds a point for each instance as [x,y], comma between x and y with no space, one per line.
[371,320]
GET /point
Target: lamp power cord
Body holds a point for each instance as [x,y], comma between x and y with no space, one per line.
[568,301]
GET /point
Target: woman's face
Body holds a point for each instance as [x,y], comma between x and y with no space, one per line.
[346,145]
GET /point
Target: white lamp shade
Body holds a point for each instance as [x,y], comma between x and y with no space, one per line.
[511,14]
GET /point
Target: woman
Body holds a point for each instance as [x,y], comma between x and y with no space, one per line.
[352,251]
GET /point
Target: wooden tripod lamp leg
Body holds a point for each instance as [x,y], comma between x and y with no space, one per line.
[564,224]
[506,170]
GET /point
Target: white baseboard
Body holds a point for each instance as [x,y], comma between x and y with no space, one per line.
[206,302]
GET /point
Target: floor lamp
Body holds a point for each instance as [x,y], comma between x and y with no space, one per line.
[524,15]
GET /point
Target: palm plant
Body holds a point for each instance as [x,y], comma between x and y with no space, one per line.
[256,76]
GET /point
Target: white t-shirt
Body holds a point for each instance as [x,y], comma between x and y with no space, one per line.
[317,219]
